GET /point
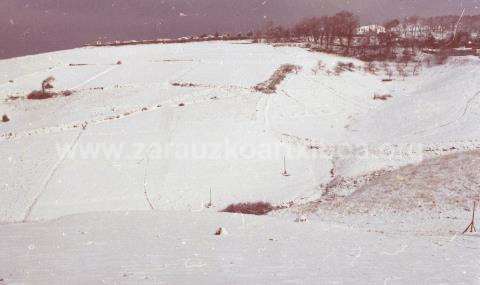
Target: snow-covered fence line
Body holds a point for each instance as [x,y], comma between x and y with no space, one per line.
[270,86]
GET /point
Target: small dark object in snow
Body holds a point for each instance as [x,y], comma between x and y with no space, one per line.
[220,231]
[119,62]
[11,81]
[382,97]
[386,80]
[5,119]
[301,219]
[181,105]
[144,109]
[13,98]
[184,84]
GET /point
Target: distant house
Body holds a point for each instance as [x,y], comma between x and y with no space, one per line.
[375,29]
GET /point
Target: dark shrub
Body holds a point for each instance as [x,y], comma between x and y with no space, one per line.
[184,84]
[342,66]
[5,119]
[382,97]
[66,93]
[39,95]
[257,208]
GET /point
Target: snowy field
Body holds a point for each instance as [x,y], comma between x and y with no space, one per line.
[109,185]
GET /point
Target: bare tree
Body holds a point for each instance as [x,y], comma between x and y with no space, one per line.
[47,84]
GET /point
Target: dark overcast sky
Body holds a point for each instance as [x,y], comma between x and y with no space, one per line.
[33,26]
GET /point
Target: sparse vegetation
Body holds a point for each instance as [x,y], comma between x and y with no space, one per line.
[184,84]
[370,67]
[319,67]
[39,95]
[342,67]
[45,93]
[257,208]
[401,69]
[383,97]
[270,86]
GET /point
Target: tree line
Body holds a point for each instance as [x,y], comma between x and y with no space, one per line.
[398,38]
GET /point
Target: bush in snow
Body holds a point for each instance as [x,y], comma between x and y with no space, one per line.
[45,93]
[320,66]
[401,69]
[381,97]
[342,66]
[5,119]
[39,95]
[370,67]
[257,208]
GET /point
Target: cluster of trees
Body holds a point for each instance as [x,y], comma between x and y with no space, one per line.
[325,31]
[400,39]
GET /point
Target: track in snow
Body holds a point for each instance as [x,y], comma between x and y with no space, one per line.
[50,177]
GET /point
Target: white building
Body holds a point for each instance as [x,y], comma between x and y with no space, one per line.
[376,29]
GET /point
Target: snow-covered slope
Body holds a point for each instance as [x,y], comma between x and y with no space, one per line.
[126,165]
[140,149]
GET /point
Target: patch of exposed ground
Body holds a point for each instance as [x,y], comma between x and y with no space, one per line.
[445,183]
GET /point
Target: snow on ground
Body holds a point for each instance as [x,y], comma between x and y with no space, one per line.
[171,122]
[180,248]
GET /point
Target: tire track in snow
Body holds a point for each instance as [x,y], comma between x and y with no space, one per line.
[50,177]
[145,176]
[95,77]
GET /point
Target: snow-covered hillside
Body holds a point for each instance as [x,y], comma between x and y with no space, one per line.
[157,128]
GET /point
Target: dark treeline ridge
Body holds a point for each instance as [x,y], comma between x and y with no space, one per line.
[394,39]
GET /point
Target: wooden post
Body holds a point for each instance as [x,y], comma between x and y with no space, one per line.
[285,173]
[210,204]
[471,227]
